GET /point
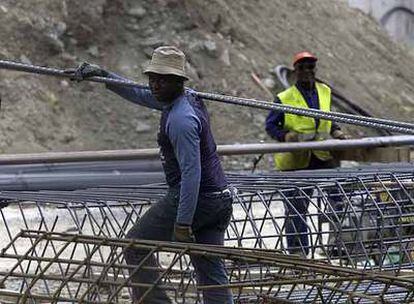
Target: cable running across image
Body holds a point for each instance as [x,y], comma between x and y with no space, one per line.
[371,122]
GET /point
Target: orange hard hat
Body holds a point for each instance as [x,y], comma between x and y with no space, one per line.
[303,55]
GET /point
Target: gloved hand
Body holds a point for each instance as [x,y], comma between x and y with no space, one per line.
[3,204]
[183,233]
[338,134]
[291,136]
[86,70]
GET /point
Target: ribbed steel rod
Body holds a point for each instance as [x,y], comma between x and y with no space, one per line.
[253,255]
[370,231]
[377,123]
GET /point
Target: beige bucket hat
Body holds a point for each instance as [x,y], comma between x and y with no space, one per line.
[167,60]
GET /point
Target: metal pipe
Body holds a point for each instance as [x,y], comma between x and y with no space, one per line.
[225,150]
[59,157]
[331,144]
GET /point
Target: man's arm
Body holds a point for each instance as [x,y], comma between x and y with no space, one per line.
[136,95]
[274,124]
[184,130]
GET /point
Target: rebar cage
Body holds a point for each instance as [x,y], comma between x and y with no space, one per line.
[309,237]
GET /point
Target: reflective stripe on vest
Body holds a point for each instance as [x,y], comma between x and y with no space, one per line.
[304,125]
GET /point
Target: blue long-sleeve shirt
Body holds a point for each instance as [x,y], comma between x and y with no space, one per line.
[275,120]
[182,129]
[187,148]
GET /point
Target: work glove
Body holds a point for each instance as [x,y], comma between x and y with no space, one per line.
[3,204]
[86,70]
[338,134]
[291,136]
[183,233]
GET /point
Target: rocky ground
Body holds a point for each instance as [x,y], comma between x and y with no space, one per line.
[225,42]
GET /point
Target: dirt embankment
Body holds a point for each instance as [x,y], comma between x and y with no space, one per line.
[225,41]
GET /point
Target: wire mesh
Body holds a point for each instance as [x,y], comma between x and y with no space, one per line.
[90,269]
[320,236]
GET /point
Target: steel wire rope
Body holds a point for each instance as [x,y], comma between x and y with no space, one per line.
[377,123]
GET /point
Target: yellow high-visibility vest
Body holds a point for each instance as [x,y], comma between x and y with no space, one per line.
[304,125]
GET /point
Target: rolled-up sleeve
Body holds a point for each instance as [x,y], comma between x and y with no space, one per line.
[133,94]
[184,133]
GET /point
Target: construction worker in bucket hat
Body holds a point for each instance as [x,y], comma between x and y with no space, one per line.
[284,127]
[198,205]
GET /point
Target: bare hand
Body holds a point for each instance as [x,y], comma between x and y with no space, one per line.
[338,134]
[291,137]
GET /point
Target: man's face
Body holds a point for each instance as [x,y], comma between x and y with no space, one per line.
[305,71]
[165,88]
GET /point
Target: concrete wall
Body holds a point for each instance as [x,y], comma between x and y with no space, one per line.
[396,16]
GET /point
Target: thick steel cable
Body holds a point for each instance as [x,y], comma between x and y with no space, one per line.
[376,123]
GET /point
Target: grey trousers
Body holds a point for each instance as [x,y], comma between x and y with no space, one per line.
[211,219]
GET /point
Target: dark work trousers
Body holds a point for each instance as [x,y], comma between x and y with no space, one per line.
[210,222]
[297,230]
[296,210]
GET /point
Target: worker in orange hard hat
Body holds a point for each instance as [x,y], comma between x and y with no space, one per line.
[304,55]
[306,93]
[309,94]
